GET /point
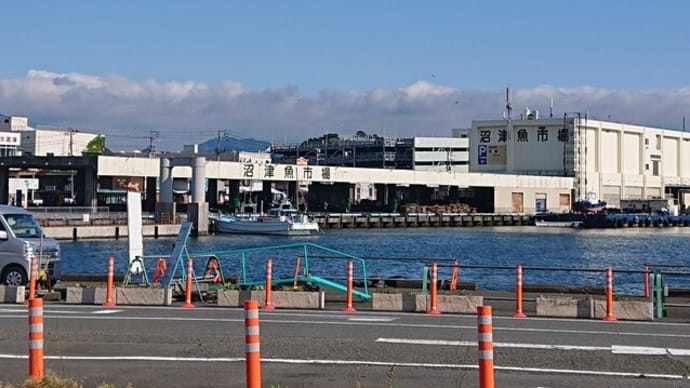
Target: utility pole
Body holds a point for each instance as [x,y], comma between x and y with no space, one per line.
[152,136]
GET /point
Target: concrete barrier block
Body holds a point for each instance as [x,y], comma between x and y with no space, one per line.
[86,295]
[386,302]
[457,303]
[286,299]
[296,299]
[229,298]
[625,310]
[143,296]
[419,301]
[12,294]
[567,307]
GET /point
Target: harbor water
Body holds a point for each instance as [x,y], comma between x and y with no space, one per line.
[405,252]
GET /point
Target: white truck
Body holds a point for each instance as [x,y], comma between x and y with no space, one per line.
[21,238]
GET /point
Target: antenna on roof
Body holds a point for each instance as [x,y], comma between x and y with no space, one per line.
[551,108]
[683,123]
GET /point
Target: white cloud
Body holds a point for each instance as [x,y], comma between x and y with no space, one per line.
[186,112]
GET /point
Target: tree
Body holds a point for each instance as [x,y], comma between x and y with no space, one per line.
[96,146]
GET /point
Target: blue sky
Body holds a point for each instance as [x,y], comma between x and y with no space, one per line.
[287,70]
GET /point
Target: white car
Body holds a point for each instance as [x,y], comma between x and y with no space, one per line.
[21,238]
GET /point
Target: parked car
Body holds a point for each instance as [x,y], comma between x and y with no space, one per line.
[21,238]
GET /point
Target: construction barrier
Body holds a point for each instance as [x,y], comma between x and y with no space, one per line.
[350,275]
[252,344]
[486,347]
[188,285]
[212,273]
[518,293]
[454,276]
[434,276]
[109,289]
[609,295]
[161,267]
[268,305]
[36,339]
[297,263]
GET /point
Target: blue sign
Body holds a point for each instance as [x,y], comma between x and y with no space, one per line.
[483,154]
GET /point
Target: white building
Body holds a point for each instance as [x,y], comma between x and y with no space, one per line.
[441,154]
[614,161]
[44,142]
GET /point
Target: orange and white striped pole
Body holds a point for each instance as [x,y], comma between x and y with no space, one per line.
[646,281]
[434,277]
[609,295]
[109,289]
[188,285]
[518,293]
[252,345]
[268,305]
[485,342]
[34,277]
[36,339]
[350,275]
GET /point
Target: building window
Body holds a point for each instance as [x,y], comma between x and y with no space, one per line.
[646,166]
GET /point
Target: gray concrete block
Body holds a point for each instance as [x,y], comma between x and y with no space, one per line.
[386,302]
[229,298]
[567,307]
[12,294]
[625,310]
[458,303]
[143,296]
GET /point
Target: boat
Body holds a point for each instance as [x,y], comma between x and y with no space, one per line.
[283,220]
[572,220]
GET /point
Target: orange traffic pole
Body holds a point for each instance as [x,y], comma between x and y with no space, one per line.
[485,342]
[434,274]
[294,283]
[252,345]
[454,276]
[269,269]
[188,285]
[109,290]
[609,295]
[350,277]
[34,277]
[36,339]
[518,293]
[646,281]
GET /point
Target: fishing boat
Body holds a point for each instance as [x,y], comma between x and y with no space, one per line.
[282,220]
[577,217]
[572,220]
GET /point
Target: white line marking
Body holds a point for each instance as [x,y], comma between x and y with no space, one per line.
[372,319]
[106,311]
[496,344]
[614,349]
[352,362]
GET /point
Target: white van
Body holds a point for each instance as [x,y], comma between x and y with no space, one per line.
[20,239]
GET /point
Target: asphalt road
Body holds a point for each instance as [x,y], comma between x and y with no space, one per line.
[204,347]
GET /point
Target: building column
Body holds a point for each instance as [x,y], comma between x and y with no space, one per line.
[4,185]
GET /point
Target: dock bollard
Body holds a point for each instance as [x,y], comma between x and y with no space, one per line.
[109,289]
[485,344]
[434,276]
[646,281]
[252,345]
[269,270]
[36,338]
[348,308]
[609,295]
[188,285]
[518,293]
[34,277]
